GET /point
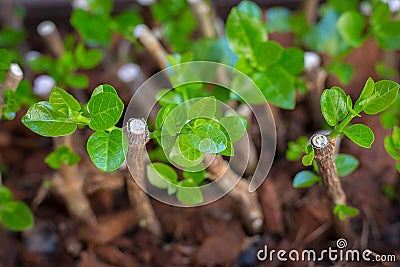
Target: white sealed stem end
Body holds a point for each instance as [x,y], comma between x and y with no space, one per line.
[319,141]
[394,5]
[81,4]
[16,70]
[46,28]
[137,126]
[140,31]
[311,60]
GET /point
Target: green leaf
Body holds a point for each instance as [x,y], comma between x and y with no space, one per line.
[88,27]
[296,148]
[11,104]
[196,176]
[175,119]
[161,175]
[333,105]
[184,153]
[41,64]
[345,164]
[277,86]
[250,8]
[100,7]
[78,81]
[63,155]
[203,108]
[350,26]
[105,110]
[42,119]
[366,93]
[308,159]
[87,59]
[344,5]
[391,148]
[63,102]
[342,71]
[292,60]
[5,195]
[244,32]
[16,215]
[235,126]
[125,23]
[189,193]
[267,54]
[343,211]
[104,88]
[166,97]
[305,179]
[107,150]
[5,59]
[360,134]
[385,93]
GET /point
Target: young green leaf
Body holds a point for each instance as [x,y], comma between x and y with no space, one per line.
[107,150]
[308,159]
[267,54]
[333,105]
[196,176]
[296,148]
[105,110]
[63,155]
[161,175]
[292,60]
[244,32]
[345,164]
[63,102]
[16,215]
[366,93]
[342,71]
[188,193]
[392,148]
[42,119]
[305,179]
[78,81]
[350,26]
[87,59]
[235,126]
[203,107]
[385,93]
[5,194]
[343,211]
[277,86]
[278,19]
[360,134]
[184,153]
[104,88]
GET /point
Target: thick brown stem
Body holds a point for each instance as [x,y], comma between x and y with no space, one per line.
[152,45]
[249,207]
[138,136]
[69,184]
[324,149]
[310,8]
[202,12]
[48,30]
[13,78]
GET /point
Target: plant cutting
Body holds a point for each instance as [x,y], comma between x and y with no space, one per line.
[338,111]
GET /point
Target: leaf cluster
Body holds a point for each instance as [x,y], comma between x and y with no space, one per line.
[64,69]
[274,69]
[392,145]
[62,114]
